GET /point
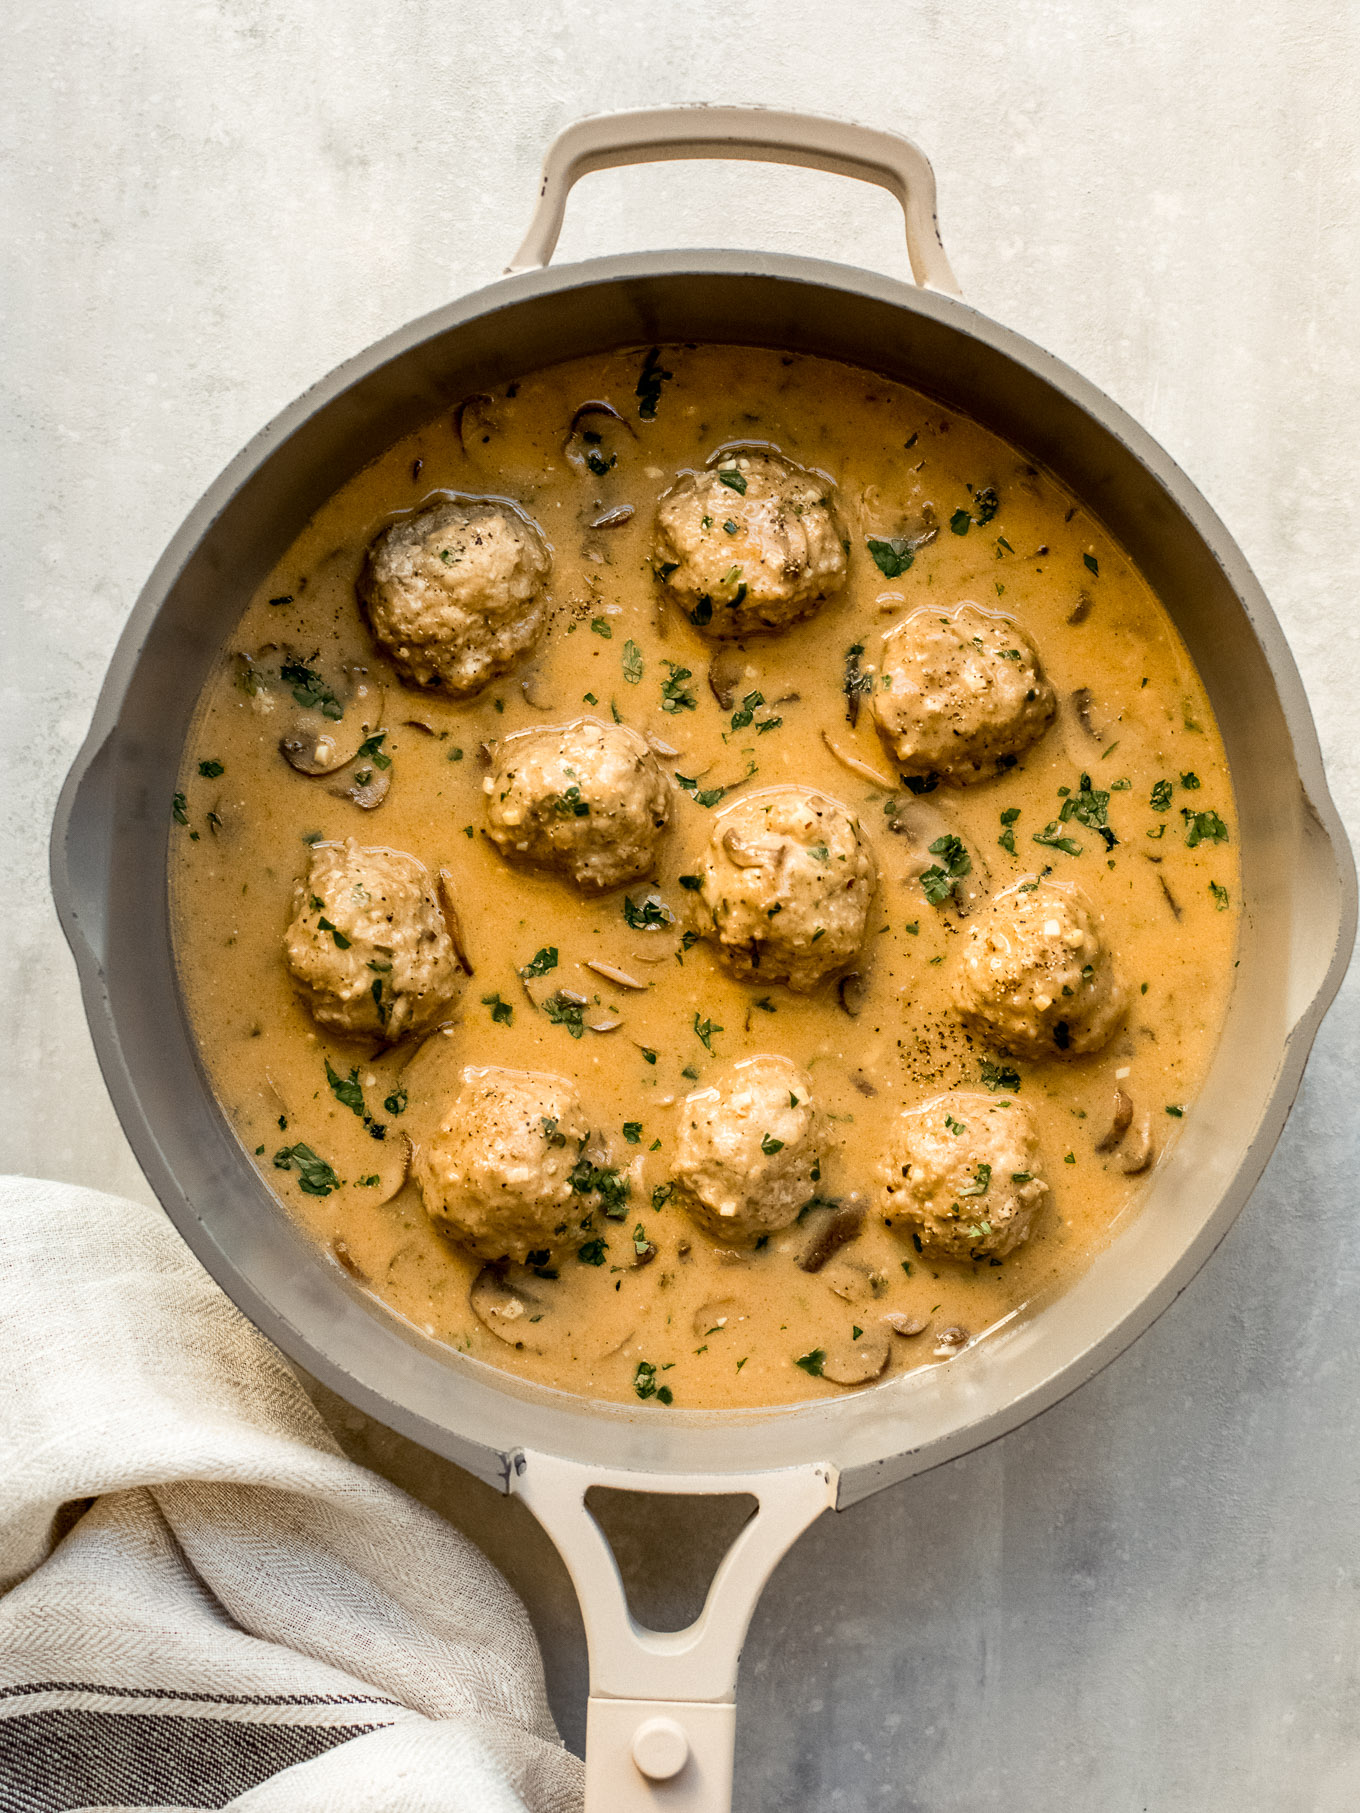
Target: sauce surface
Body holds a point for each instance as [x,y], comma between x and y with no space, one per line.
[1134,744]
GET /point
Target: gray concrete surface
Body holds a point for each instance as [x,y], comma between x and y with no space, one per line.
[1150,1598]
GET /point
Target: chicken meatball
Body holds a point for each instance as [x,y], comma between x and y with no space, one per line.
[961,1174]
[367,943]
[586,798]
[455,593]
[1035,976]
[785,886]
[497,1176]
[747,1156]
[960,694]
[751,544]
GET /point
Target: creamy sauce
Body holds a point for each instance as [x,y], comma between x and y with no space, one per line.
[721,1328]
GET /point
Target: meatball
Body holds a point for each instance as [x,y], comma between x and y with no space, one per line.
[367,943]
[961,1173]
[960,695]
[1035,976]
[751,544]
[585,798]
[497,1176]
[455,593]
[785,886]
[748,1151]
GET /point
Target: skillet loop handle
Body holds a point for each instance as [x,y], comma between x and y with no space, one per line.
[661,1723]
[755,134]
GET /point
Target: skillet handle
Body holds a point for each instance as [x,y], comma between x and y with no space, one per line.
[661,1723]
[763,135]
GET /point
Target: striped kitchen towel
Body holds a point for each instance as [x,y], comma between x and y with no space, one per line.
[205,1604]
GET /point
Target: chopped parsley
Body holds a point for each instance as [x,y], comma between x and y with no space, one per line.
[1091,564]
[632,663]
[1203,828]
[602,627]
[733,479]
[770,1146]
[1161,796]
[691,883]
[210,770]
[632,1132]
[592,1252]
[563,1011]
[541,962]
[702,796]
[1007,837]
[371,750]
[346,1089]
[570,804]
[941,879]
[812,1362]
[747,711]
[645,1385]
[310,690]
[961,522]
[1052,839]
[1090,807]
[315,1176]
[674,695]
[1189,781]
[1221,899]
[341,942]
[396,1102]
[982,1182]
[652,916]
[1177,1112]
[502,1013]
[661,1195]
[1000,1076]
[177,809]
[704,1030]
[892,557]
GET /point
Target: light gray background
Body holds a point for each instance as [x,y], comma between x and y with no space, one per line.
[1150,1598]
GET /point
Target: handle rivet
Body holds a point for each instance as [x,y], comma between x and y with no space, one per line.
[660,1748]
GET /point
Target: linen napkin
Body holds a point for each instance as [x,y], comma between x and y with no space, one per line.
[204,1603]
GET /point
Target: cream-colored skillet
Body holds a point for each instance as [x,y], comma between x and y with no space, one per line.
[662,1715]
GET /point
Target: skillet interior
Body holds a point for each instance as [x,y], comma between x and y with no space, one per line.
[110,852]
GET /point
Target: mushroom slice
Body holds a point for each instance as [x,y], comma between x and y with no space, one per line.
[596,438]
[950,1341]
[615,518]
[850,993]
[473,420]
[606,1025]
[397,1184]
[719,1313]
[726,672]
[859,1358]
[452,920]
[367,786]
[659,746]
[836,1228]
[537,692]
[865,770]
[612,973]
[1081,705]
[902,1324]
[1123,1117]
[315,744]
[347,1262]
[315,748]
[854,1283]
[512,1302]
[1138,1152]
